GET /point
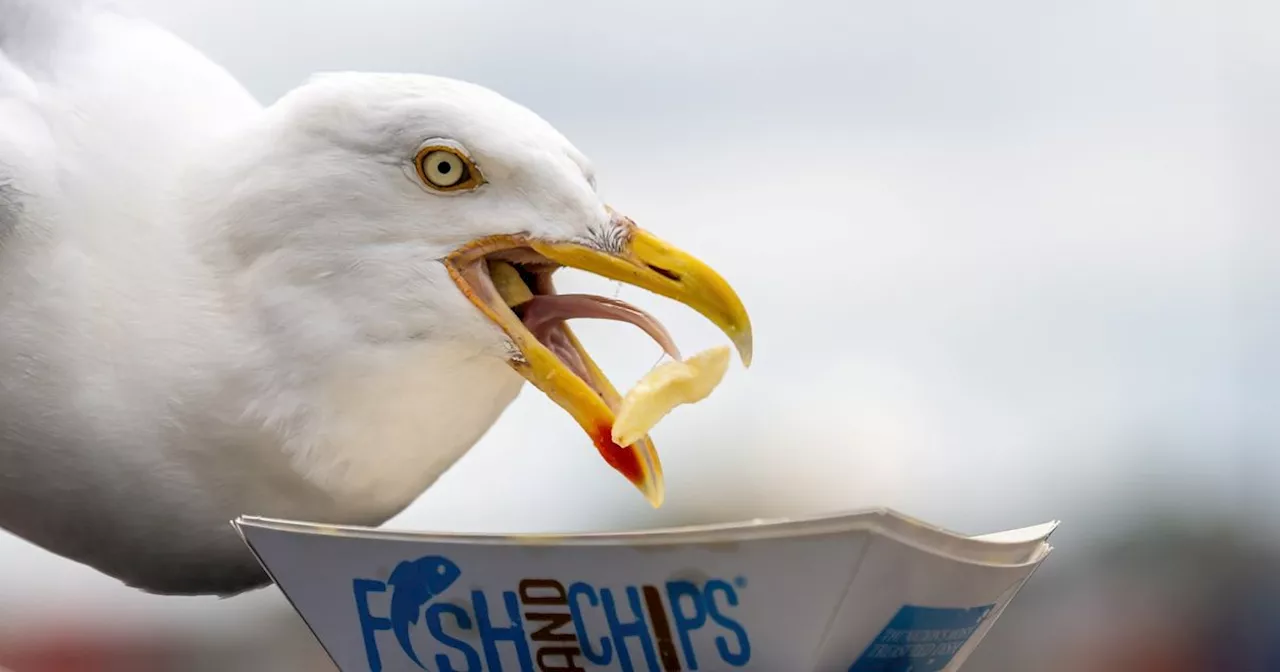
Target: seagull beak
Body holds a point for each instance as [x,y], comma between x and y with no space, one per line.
[547,359]
[648,262]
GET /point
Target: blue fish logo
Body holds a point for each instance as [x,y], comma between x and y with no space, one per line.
[415,583]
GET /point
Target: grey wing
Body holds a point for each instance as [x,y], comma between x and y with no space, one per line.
[29,28]
[27,158]
[32,35]
[66,62]
[10,204]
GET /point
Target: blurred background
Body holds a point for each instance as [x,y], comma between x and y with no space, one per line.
[1007,262]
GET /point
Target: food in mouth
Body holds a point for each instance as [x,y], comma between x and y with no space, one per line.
[544,316]
[668,385]
[509,279]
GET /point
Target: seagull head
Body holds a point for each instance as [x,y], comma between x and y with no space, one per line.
[414,208]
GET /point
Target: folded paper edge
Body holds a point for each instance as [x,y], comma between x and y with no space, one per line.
[902,529]
[292,605]
[758,528]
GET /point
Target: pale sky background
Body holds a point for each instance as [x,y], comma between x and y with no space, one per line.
[1006,261]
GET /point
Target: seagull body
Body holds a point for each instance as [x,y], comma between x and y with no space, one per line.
[211,308]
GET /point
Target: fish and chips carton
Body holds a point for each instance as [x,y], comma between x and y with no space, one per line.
[871,591]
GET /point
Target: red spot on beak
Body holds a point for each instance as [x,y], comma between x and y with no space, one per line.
[626,461]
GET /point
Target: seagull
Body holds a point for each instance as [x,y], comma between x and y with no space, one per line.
[211,307]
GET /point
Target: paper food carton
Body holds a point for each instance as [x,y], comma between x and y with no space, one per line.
[873,591]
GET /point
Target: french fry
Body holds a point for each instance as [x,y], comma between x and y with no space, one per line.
[511,287]
[667,386]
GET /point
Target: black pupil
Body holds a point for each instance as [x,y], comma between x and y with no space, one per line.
[444,167]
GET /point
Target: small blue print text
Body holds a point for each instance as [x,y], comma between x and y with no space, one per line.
[920,639]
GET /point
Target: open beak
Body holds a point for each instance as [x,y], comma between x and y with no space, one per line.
[550,355]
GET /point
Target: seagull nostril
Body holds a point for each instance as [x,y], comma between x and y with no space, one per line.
[670,275]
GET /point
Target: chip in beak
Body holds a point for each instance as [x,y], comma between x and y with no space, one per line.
[509,279]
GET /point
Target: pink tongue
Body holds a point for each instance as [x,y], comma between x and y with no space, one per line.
[543,313]
[557,341]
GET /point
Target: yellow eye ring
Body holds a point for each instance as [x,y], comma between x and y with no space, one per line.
[446,169]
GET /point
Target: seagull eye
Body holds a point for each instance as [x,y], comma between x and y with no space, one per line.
[443,169]
[446,169]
